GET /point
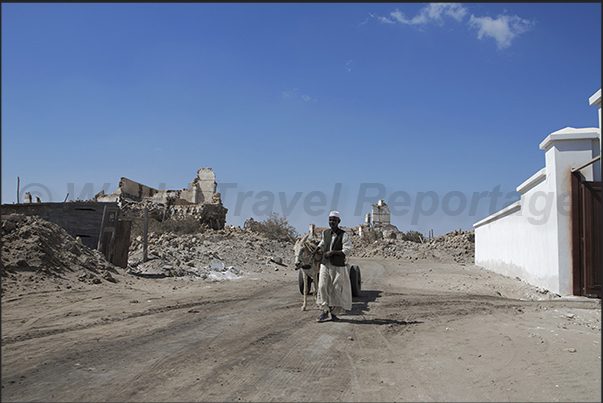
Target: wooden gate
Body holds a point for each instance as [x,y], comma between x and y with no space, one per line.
[586,236]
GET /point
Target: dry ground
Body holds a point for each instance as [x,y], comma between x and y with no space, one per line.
[421,331]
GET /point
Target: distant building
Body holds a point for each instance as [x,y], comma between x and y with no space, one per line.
[381,226]
[381,214]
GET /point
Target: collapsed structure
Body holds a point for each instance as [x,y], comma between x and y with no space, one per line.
[103,223]
[381,226]
[200,200]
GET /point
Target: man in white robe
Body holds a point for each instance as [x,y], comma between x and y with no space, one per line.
[334,288]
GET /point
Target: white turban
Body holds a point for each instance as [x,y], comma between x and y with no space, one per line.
[334,214]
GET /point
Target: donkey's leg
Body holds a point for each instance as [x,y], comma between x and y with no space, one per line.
[315,282]
[305,277]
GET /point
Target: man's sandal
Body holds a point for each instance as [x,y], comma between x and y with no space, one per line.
[323,317]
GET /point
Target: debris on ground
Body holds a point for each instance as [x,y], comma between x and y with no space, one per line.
[36,249]
[40,248]
[456,246]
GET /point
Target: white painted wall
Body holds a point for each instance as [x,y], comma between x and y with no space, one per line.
[531,239]
[519,241]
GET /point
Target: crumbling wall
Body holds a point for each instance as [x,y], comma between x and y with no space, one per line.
[81,219]
[381,214]
[201,190]
[206,183]
[134,190]
[381,228]
[199,201]
[212,213]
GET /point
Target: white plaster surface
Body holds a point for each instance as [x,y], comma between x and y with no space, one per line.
[531,239]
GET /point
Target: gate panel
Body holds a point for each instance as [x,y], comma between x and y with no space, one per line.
[591,202]
[586,236]
[576,208]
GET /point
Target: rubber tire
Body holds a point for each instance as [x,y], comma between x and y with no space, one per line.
[301,283]
[355,280]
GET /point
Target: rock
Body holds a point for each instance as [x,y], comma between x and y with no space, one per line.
[107,276]
[8,226]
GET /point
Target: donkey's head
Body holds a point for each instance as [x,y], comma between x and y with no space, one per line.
[303,253]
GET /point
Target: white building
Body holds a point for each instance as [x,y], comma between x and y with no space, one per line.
[540,238]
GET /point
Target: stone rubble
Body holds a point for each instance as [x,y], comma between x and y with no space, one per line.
[35,249]
[41,248]
[456,246]
[232,249]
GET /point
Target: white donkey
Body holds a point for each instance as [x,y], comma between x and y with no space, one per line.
[310,265]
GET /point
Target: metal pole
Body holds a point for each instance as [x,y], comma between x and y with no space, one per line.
[145,231]
[18,183]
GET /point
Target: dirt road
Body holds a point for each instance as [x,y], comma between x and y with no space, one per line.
[419,332]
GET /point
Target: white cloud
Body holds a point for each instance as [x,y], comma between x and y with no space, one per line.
[294,94]
[384,20]
[348,66]
[290,93]
[503,29]
[433,12]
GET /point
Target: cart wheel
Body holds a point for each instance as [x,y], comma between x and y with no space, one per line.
[356,280]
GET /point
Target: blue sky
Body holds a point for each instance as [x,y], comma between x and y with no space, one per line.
[313,105]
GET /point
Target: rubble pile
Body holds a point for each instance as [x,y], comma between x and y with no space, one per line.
[34,249]
[233,249]
[456,246]
[42,248]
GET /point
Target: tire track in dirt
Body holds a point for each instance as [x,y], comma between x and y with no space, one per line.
[252,343]
[228,356]
[107,321]
[173,340]
[278,365]
[372,341]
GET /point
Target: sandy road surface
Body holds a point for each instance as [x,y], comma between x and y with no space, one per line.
[419,332]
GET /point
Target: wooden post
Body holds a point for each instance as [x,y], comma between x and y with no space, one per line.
[18,183]
[145,232]
[112,240]
[100,243]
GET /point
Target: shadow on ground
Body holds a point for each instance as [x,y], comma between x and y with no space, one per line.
[360,306]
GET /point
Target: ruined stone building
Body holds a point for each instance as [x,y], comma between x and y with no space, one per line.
[381,226]
[200,200]
[381,214]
